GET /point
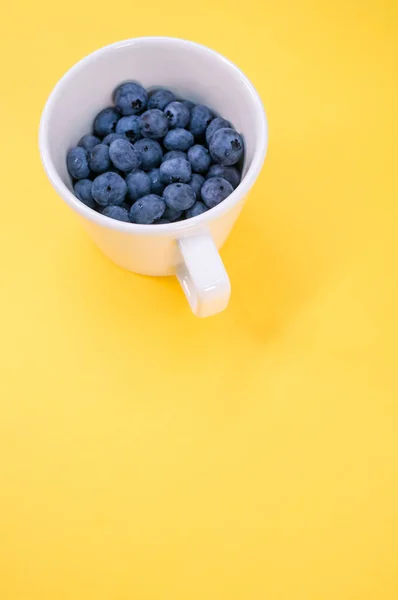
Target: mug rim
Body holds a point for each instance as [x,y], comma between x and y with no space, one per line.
[179,227]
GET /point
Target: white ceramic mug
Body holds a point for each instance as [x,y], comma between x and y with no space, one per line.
[188,249]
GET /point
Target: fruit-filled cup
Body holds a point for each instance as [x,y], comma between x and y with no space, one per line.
[171,102]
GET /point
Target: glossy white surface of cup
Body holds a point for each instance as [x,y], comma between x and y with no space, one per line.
[187,249]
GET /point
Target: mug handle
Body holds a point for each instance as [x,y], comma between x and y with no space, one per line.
[202,275]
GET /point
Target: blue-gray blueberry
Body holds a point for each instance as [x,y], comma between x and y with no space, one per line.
[215,190]
[154,124]
[147,209]
[82,191]
[177,114]
[179,196]
[201,117]
[197,209]
[200,158]
[124,156]
[116,212]
[105,122]
[176,170]
[77,163]
[131,98]
[160,99]
[178,139]
[138,185]
[196,183]
[151,153]
[130,127]
[98,159]
[109,188]
[157,185]
[226,146]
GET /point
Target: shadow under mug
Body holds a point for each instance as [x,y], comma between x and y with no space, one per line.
[187,249]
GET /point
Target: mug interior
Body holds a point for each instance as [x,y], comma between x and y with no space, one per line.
[191,71]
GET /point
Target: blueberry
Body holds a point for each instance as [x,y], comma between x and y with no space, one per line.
[215,125]
[201,117]
[98,159]
[82,191]
[188,104]
[154,124]
[178,139]
[197,209]
[131,98]
[226,146]
[138,185]
[199,158]
[151,153]
[231,174]
[157,185]
[174,154]
[215,190]
[77,163]
[116,212]
[130,126]
[105,122]
[179,196]
[109,188]
[147,209]
[176,170]
[171,214]
[161,221]
[88,142]
[160,99]
[196,183]
[177,114]
[111,137]
[124,156]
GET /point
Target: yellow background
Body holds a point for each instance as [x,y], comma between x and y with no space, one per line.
[148,455]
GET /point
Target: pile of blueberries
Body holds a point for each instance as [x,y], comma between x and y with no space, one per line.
[155,159]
